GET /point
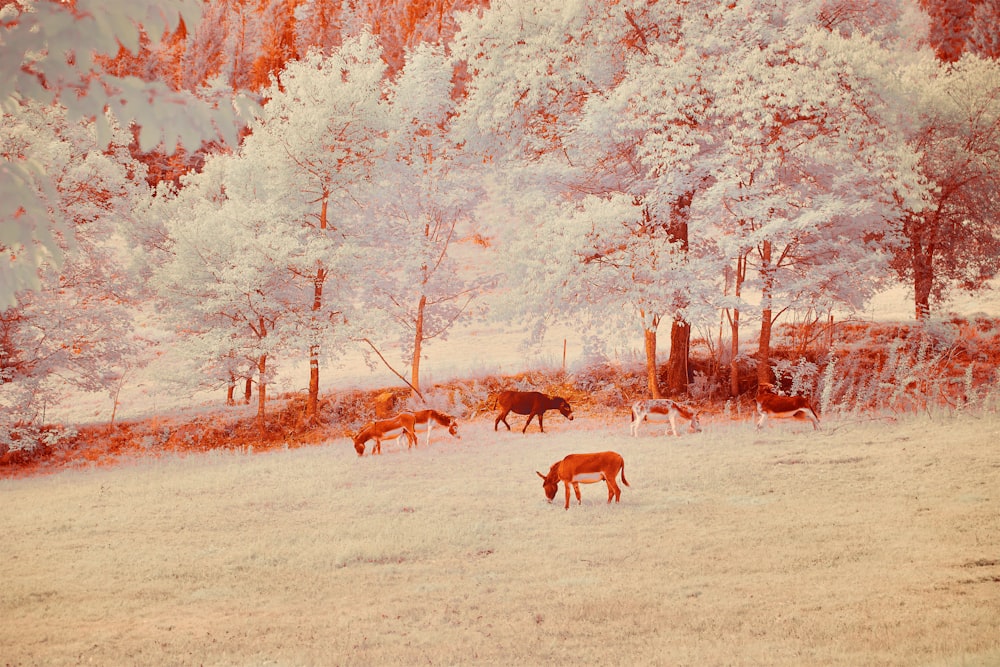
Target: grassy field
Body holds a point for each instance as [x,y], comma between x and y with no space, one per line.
[868,543]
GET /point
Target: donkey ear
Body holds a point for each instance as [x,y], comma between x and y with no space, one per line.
[540,474]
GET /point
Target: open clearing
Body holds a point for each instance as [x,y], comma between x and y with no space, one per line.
[874,543]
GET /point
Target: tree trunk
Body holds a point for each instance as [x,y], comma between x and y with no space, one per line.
[261,391]
[680,331]
[764,345]
[652,381]
[677,363]
[231,391]
[764,349]
[923,282]
[418,340]
[312,400]
[734,366]
[734,322]
[248,391]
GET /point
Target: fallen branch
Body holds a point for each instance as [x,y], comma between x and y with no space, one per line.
[394,371]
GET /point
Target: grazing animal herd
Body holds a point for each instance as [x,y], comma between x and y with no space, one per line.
[576,469]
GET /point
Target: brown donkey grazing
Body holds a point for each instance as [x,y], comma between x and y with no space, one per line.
[385,429]
[770,404]
[529,403]
[579,469]
[424,420]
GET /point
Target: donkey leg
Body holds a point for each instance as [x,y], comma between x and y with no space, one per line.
[531,415]
[614,491]
[502,418]
[636,422]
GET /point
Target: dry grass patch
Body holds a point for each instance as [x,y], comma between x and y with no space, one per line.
[865,543]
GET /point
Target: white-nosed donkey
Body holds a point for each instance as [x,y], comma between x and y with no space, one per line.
[424,421]
[663,410]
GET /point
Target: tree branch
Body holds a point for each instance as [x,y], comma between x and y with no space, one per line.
[394,371]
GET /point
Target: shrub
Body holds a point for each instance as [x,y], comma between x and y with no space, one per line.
[609,385]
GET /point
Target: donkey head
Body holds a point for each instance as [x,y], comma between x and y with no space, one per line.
[564,409]
[550,484]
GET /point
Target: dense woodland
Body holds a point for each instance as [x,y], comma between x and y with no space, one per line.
[277,179]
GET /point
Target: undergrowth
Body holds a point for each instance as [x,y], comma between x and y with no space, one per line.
[873,367]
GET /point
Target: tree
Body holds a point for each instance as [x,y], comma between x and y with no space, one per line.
[403,24]
[574,122]
[292,202]
[811,167]
[750,132]
[960,27]
[75,327]
[224,277]
[319,136]
[984,40]
[668,139]
[423,198]
[206,50]
[277,44]
[954,237]
[317,26]
[54,50]
[241,45]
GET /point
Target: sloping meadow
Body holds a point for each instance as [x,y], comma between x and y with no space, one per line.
[869,542]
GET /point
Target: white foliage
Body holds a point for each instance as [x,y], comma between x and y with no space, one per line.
[787,122]
[75,327]
[420,207]
[268,246]
[50,53]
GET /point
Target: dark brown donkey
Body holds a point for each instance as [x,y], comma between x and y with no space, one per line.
[529,403]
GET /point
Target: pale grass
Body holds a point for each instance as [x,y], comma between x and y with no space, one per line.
[869,543]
